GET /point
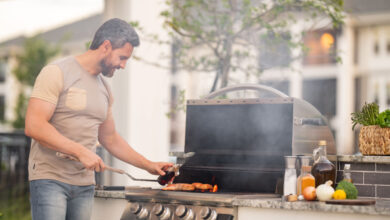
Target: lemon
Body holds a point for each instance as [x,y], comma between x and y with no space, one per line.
[339,194]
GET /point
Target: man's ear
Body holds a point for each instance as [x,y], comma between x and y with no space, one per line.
[106,46]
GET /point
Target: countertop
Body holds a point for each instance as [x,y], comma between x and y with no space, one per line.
[364,159]
[110,194]
[382,206]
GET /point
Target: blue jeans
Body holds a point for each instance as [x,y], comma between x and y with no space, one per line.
[54,200]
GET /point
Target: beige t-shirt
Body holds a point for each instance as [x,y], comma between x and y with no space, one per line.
[82,101]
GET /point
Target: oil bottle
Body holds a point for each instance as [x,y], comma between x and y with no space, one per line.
[305,179]
[347,173]
[323,170]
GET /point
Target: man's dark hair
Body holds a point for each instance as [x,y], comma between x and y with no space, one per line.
[118,32]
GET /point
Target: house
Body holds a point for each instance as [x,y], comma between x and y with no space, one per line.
[141,91]
[335,88]
[72,38]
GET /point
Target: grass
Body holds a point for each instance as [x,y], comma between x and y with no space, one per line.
[14,203]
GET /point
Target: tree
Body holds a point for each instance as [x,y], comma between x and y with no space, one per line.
[35,55]
[225,36]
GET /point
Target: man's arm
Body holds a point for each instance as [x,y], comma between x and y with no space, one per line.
[118,147]
[38,127]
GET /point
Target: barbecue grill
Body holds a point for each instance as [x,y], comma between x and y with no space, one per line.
[239,146]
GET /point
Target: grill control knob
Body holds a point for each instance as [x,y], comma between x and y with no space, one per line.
[161,212]
[184,213]
[138,210]
[158,209]
[208,214]
[181,211]
[135,208]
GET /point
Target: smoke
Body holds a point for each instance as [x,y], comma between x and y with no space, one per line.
[239,144]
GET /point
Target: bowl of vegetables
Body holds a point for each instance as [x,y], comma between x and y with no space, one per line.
[374,136]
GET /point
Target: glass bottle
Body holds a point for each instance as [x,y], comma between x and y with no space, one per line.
[347,173]
[323,170]
[305,179]
[290,176]
[304,161]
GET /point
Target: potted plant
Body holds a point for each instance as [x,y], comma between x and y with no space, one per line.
[374,136]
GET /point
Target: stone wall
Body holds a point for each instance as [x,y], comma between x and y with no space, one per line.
[370,174]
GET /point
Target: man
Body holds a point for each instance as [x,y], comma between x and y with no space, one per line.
[68,112]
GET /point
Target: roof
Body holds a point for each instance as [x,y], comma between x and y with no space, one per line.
[366,6]
[79,31]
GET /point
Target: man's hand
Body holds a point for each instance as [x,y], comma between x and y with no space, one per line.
[158,168]
[91,161]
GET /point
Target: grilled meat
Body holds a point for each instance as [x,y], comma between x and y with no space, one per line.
[202,186]
[179,187]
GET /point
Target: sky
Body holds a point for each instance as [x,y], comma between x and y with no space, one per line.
[27,17]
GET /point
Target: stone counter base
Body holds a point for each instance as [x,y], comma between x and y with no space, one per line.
[370,174]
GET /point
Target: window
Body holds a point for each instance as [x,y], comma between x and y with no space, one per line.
[321,45]
[358,93]
[322,95]
[2,108]
[3,70]
[378,91]
[388,94]
[274,51]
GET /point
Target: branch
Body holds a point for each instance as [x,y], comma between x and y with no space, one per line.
[216,78]
[137,58]
[253,20]
[197,35]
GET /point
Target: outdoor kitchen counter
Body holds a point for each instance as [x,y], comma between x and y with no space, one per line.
[382,206]
[380,209]
[110,194]
[364,159]
[108,205]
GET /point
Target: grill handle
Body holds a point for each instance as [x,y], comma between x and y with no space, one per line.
[239,87]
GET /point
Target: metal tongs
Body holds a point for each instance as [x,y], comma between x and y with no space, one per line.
[174,168]
[112,169]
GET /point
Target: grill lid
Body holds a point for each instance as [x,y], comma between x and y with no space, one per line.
[239,134]
[240,144]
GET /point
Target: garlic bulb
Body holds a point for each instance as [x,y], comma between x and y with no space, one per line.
[325,191]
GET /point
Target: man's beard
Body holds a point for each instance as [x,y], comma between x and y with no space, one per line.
[107,70]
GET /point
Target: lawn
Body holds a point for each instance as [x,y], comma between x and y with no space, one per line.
[14,203]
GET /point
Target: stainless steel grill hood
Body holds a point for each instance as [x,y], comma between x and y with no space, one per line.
[240,144]
[309,125]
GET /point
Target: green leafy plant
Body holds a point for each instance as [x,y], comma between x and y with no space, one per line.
[36,54]
[367,116]
[383,119]
[370,115]
[20,111]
